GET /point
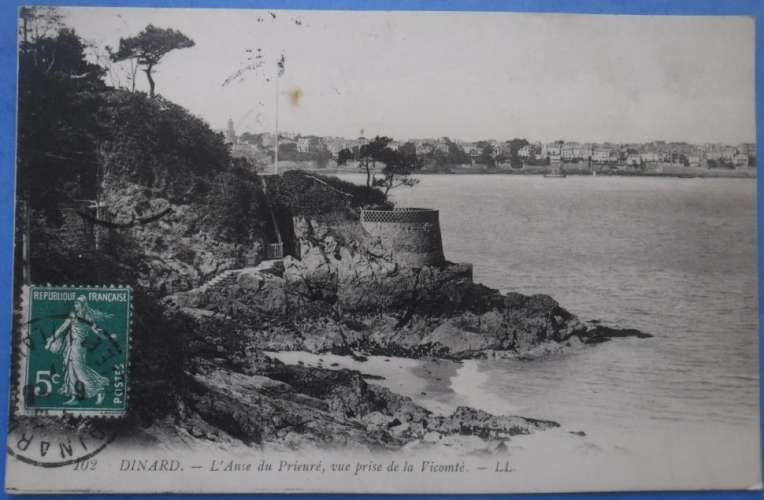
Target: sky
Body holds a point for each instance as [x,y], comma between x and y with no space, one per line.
[468,76]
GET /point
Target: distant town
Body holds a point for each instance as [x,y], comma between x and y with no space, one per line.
[518,155]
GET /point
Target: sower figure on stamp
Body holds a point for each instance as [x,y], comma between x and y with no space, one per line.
[80,381]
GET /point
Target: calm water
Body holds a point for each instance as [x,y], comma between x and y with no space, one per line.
[672,257]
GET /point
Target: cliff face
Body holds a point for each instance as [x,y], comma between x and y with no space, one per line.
[179,250]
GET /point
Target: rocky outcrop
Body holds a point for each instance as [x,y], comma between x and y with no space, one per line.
[259,410]
[179,250]
[345,294]
[298,407]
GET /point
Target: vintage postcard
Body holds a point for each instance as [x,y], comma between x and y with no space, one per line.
[383,252]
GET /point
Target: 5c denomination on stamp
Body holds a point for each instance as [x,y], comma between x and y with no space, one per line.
[74,351]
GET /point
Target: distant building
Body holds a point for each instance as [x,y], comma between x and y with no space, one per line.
[713,155]
[496,148]
[335,144]
[471,149]
[505,148]
[740,160]
[423,148]
[303,145]
[567,152]
[441,147]
[632,154]
[575,151]
[267,140]
[287,144]
[552,150]
[243,150]
[729,153]
[526,152]
[633,160]
[747,148]
[601,155]
[650,157]
[583,151]
[230,133]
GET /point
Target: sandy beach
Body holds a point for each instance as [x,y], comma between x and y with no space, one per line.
[579,454]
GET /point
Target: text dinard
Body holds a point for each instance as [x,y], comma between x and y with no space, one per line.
[292,466]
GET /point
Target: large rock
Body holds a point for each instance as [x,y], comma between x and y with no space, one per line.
[180,253]
[256,410]
[448,316]
[295,406]
[469,421]
[457,335]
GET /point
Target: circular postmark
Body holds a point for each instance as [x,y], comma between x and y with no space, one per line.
[56,441]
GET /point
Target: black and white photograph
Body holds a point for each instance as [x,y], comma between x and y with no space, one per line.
[383,252]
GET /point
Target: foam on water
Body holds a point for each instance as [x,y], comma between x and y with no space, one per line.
[672,257]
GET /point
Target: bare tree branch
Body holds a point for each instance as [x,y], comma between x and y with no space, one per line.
[122,225]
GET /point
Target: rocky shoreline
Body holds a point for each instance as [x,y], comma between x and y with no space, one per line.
[296,407]
[345,295]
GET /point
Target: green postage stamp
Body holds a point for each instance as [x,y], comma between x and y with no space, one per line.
[74,351]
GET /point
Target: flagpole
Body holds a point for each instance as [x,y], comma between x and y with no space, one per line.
[276,152]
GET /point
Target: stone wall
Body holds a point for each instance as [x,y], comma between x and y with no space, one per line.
[411,234]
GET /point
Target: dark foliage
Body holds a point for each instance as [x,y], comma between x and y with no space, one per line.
[59,96]
[454,155]
[487,153]
[235,204]
[89,142]
[306,193]
[159,144]
[158,357]
[344,156]
[399,165]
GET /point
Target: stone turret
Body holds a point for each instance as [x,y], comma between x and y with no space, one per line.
[412,235]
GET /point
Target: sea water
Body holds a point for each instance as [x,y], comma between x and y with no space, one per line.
[672,257]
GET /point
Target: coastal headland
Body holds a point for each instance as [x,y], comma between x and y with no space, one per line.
[227,264]
[343,292]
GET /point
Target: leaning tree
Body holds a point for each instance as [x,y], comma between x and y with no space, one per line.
[399,164]
[149,47]
[369,154]
[399,167]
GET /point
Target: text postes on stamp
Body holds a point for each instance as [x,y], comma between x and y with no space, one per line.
[74,351]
